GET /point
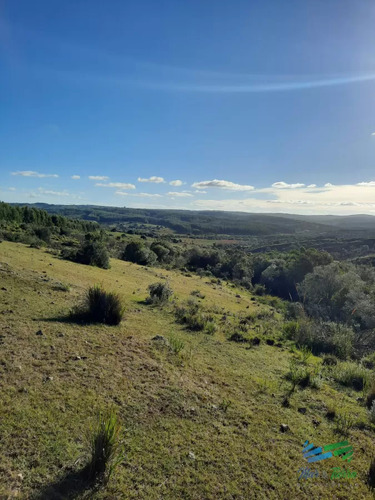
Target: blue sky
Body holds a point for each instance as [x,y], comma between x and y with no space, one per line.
[249,105]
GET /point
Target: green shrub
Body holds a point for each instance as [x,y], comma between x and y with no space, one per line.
[100,307]
[106,450]
[344,422]
[92,252]
[351,374]
[321,337]
[176,344]
[139,253]
[194,318]
[160,293]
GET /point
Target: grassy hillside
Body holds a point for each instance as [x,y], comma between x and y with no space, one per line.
[202,424]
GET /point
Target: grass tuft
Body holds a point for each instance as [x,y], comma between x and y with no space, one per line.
[106,450]
[100,307]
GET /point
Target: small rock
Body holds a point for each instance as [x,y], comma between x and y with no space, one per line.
[77,358]
[284,427]
[39,332]
[161,339]
[20,476]
[191,455]
[302,410]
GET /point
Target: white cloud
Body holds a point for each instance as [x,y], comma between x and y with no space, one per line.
[121,193]
[215,183]
[200,191]
[98,177]
[31,173]
[76,176]
[148,195]
[311,186]
[373,133]
[53,193]
[369,184]
[176,183]
[156,180]
[179,194]
[328,185]
[119,185]
[285,185]
[11,189]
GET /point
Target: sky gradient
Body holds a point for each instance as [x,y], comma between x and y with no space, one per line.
[251,106]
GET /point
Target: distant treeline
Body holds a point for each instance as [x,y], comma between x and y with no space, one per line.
[187,221]
[35,216]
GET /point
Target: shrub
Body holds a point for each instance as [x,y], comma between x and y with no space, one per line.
[139,253]
[372,413]
[100,307]
[92,252]
[352,375]
[329,360]
[176,344]
[321,337]
[194,318]
[106,450]
[160,293]
[197,293]
[344,422]
[370,398]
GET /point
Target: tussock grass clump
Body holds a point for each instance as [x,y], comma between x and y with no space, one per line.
[160,293]
[195,319]
[105,448]
[351,374]
[176,344]
[100,307]
[343,423]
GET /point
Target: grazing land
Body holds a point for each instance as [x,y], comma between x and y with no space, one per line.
[200,422]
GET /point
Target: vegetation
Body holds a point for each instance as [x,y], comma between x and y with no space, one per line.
[105,447]
[100,307]
[160,293]
[309,314]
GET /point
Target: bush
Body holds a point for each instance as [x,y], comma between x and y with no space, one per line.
[372,413]
[321,337]
[351,375]
[92,252]
[160,293]
[100,307]
[194,318]
[138,253]
[106,450]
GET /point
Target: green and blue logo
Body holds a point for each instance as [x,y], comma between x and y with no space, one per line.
[314,454]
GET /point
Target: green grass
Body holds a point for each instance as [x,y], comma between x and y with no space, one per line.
[183,439]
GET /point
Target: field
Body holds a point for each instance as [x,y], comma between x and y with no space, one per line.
[204,424]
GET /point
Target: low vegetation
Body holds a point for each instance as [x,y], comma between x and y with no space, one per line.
[100,306]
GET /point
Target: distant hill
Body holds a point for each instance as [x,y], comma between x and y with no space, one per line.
[217,222]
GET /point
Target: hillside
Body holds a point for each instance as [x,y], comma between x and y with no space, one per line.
[202,424]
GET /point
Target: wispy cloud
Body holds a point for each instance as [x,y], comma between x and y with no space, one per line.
[118,185]
[31,173]
[179,194]
[139,195]
[154,178]
[98,177]
[53,193]
[176,183]
[222,185]
[76,176]
[285,185]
